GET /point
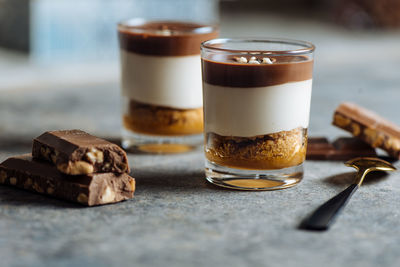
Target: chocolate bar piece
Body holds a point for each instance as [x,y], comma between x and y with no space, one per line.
[368,126]
[343,149]
[41,177]
[75,152]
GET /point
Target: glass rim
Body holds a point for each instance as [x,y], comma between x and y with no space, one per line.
[308,47]
[128,24]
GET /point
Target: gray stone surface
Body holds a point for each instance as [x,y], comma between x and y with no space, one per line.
[176,218]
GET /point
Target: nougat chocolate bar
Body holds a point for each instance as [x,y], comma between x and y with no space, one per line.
[369,127]
[75,152]
[90,190]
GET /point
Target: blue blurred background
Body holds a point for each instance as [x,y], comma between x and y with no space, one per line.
[47,43]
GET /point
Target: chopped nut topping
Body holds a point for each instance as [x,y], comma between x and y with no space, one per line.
[108,195]
[267,60]
[82,198]
[13,180]
[253,60]
[241,59]
[165,32]
[95,156]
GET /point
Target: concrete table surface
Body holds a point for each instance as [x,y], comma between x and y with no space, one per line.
[176,217]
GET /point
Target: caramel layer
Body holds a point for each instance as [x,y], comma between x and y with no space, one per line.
[265,152]
[256,75]
[165,38]
[156,120]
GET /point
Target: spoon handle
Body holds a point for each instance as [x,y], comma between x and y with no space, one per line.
[322,217]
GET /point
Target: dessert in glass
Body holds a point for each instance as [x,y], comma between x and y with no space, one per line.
[257,96]
[161,84]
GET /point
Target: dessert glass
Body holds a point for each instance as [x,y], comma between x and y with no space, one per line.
[161,84]
[257,96]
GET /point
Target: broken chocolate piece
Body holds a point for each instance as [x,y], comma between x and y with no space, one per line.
[41,177]
[368,126]
[318,148]
[343,149]
[75,152]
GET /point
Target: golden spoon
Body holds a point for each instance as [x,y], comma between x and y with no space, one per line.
[323,217]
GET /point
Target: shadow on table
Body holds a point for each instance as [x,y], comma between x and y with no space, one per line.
[178,180]
[12,196]
[150,179]
[347,178]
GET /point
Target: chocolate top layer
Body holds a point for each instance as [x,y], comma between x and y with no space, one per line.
[230,72]
[165,38]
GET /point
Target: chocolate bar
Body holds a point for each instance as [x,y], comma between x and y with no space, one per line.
[75,152]
[368,126]
[343,149]
[41,177]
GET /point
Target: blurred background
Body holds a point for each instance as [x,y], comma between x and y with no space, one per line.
[69,50]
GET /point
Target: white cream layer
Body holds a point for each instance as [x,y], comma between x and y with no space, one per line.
[171,81]
[233,111]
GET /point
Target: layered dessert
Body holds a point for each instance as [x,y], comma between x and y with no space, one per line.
[256,109]
[161,76]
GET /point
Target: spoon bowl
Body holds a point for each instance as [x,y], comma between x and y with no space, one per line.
[365,165]
[370,163]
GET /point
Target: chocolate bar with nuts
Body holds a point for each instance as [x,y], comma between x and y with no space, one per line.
[368,126]
[343,148]
[75,152]
[89,190]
